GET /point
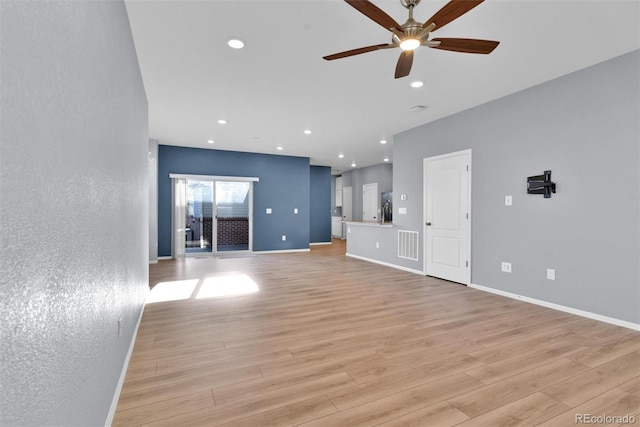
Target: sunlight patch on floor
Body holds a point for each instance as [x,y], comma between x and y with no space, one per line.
[172,291]
[229,285]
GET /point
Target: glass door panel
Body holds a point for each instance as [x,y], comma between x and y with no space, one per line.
[232,215]
[199,217]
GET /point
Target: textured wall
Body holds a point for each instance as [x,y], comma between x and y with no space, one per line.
[585,127]
[153,201]
[284,185]
[73,208]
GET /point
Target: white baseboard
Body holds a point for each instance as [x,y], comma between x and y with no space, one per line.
[284,251]
[571,310]
[154,261]
[164,258]
[386,264]
[319,243]
[123,373]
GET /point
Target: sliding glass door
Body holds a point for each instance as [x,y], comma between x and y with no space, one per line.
[211,215]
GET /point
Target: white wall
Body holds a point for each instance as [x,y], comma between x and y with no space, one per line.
[73,208]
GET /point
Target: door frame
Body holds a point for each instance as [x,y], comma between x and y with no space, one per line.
[467,153]
[213,179]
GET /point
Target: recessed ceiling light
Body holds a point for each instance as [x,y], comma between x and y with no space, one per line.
[417,84]
[353,165]
[383,141]
[235,42]
[222,122]
[280,148]
[210,141]
[386,159]
[340,156]
[307,132]
[417,108]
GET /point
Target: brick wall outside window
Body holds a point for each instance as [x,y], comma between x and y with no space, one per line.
[233,231]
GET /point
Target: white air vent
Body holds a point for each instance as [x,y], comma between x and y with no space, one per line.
[408,244]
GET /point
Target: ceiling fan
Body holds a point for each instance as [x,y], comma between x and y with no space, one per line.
[412,33]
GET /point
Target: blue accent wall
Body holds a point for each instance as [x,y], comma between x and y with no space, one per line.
[284,185]
[320,206]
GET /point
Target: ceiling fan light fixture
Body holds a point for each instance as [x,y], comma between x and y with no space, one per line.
[409,44]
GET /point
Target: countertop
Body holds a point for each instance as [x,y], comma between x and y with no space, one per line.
[370,223]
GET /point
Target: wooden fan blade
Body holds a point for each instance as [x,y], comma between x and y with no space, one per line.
[452,10]
[358,51]
[374,13]
[404,64]
[466,45]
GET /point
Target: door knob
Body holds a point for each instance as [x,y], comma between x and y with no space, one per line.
[428,223]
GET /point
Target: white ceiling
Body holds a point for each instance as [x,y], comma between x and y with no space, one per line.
[279,85]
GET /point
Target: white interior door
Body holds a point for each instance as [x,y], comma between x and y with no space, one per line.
[347,203]
[370,202]
[447,186]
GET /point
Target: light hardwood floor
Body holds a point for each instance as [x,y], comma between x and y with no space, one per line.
[329,340]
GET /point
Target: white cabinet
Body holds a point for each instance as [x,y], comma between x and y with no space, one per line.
[339,191]
[336,226]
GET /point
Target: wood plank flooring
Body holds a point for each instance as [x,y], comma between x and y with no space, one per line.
[329,340]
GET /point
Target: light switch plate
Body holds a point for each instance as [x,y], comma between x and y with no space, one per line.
[402,211]
[508,200]
[268,211]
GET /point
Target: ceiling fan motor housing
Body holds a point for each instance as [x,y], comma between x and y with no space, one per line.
[409,3]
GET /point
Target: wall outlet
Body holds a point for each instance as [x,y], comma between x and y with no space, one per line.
[120,328]
[295,210]
[506,267]
[377,245]
[269,211]
[284,237]
[508,200]
[551,274]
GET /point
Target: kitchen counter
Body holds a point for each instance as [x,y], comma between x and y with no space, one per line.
[370,224]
